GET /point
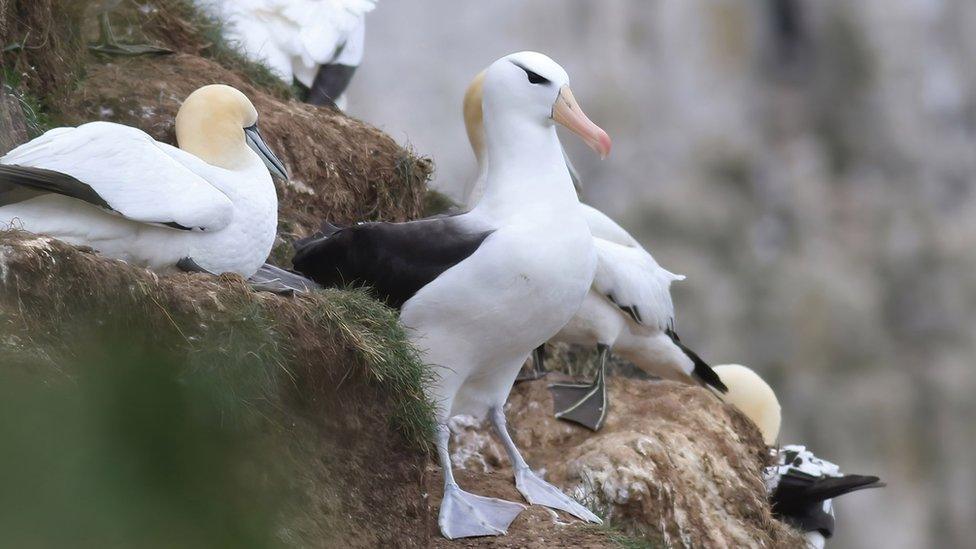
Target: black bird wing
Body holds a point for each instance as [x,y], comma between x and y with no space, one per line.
[797,490]
[805,482]
[396,259]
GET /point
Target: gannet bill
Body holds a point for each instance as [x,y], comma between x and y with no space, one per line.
[628,309]
[210,203]
[108,44]
[801,486]
[479,291]
[316,43]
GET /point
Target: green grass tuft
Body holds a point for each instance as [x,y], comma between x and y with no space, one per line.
[391,360]
[35,114]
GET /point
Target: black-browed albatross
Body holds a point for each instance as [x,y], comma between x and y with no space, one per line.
[479,291]
[628,310]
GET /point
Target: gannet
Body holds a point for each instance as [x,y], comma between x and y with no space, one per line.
[316,43]
[628,309]
[801,486]
[480,290]
[210,204]
[801,489]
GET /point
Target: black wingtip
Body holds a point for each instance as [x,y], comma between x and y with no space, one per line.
[702,371]
[706,374]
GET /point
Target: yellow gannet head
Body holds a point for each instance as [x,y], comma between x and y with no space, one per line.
[218,124]
[753,397]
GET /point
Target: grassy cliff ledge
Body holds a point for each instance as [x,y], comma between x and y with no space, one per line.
[120,388]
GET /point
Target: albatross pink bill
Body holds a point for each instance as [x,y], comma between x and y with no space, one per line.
[567,112]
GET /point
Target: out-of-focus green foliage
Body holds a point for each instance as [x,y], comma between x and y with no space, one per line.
[130,451]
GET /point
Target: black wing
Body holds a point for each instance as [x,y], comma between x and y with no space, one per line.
[19,183]
[396,259]
[702,372]
[798,499]
[46,181]
[797,490]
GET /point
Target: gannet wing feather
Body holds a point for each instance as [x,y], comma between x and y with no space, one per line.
[293,37]
[601,226]
[634,282]
[124,170]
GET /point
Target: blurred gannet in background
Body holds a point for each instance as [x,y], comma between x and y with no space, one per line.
[209,205]
[480,290]
[107,42]
[628,308]
[801,486]
[316,43]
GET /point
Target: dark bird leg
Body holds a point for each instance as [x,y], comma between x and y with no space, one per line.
[538,368]
[329,85]
[108,45]
[584,404]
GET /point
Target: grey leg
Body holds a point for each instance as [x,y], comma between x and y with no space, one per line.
[584,404]
[535,490]
[463,514]
[538,369]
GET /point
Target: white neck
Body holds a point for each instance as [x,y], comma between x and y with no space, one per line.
[476,188]
[525,167]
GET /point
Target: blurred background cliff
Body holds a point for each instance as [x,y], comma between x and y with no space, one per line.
[809,164]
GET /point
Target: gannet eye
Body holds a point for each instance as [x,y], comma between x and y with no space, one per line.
[534,77]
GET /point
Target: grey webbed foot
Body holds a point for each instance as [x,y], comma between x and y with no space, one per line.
[278,281]
[539,492]
[188,265]
[584,404]
[465,515]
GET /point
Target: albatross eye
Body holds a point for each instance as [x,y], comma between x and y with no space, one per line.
[534,77]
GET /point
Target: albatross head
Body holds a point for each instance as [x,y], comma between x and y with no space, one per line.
[753,397]
[531,85]
[219,124]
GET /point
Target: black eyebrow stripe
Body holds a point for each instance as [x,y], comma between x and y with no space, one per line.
[531,73]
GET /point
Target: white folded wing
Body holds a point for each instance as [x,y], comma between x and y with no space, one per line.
[628,275]
[293,37]
[140,178]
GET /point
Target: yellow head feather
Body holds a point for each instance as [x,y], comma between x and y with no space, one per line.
[753,397]
[474,121]
[211,122]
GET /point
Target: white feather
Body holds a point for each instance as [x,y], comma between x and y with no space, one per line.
[146,183]
[294,37]
[131,188]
